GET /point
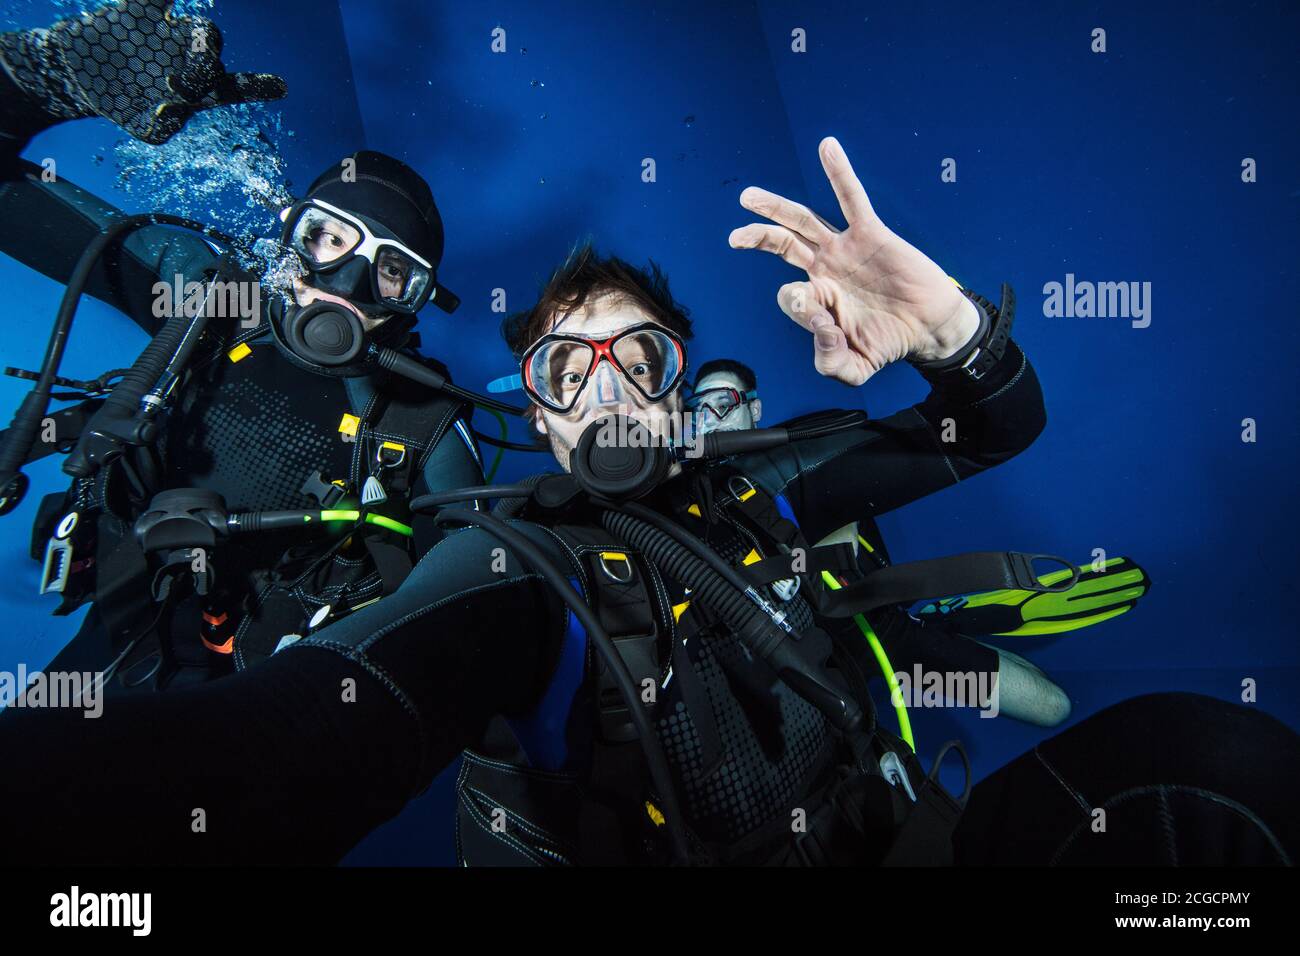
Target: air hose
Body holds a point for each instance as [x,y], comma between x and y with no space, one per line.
[144,372]
[728,443]
[496,461]
[437,499]
[253,521]
[752,619]
[408,367]
[886,668]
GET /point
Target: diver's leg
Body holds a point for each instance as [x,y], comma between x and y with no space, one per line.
[1177,778]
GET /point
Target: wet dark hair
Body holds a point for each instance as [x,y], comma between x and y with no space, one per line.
[587,275]
[738,369]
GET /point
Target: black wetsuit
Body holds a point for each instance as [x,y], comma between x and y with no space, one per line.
[299,758]
[247,423]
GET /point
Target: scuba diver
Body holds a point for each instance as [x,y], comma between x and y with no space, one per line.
[272,408]
[627,686]
[725,397]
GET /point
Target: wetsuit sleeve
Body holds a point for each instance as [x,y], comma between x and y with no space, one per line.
[455,462]
[962,427]
[299,757]
[59,219]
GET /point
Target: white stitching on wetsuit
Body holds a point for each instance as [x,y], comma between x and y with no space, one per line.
[1084,805]
[1015,378]
[1125,795]
[246,623]
[556,776]
[557,846]
[479,818]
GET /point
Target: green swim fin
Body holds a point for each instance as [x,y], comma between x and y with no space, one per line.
[1098,596]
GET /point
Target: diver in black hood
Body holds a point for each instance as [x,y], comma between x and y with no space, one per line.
[279,409]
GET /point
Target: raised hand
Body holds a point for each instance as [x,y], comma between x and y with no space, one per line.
[870,298]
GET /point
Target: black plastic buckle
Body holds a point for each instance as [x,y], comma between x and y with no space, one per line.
[994,346]
[323,491]
[1022,569]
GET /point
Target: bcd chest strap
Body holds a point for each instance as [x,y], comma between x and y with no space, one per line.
[894,584]
[956,574]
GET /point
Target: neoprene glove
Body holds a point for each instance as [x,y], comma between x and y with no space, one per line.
[131,62]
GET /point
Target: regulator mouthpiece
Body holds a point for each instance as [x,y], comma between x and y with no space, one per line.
[618,458]
[326,334]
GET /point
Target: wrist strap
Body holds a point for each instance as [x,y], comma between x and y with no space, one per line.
[987,347]
[963,354]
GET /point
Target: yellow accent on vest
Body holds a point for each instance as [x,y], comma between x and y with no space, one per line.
[747,495]
[349,424]
[655,815]
[694,510]
[393,445]
[239,352]
[679,610]
[752,557]
[613,556]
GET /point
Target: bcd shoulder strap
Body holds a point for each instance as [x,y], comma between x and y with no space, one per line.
[413,422]
[398,431]
[621,596]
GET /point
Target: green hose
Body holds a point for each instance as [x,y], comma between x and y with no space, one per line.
[496,462]
[381,520]
[895,692]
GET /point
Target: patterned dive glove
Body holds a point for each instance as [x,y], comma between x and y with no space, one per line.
[132,62]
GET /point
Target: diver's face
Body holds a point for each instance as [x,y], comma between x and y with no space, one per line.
[740,418]
[327,238]
[330,238]
[606,392]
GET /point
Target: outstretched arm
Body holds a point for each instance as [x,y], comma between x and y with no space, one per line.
[301,756]
[958,431]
